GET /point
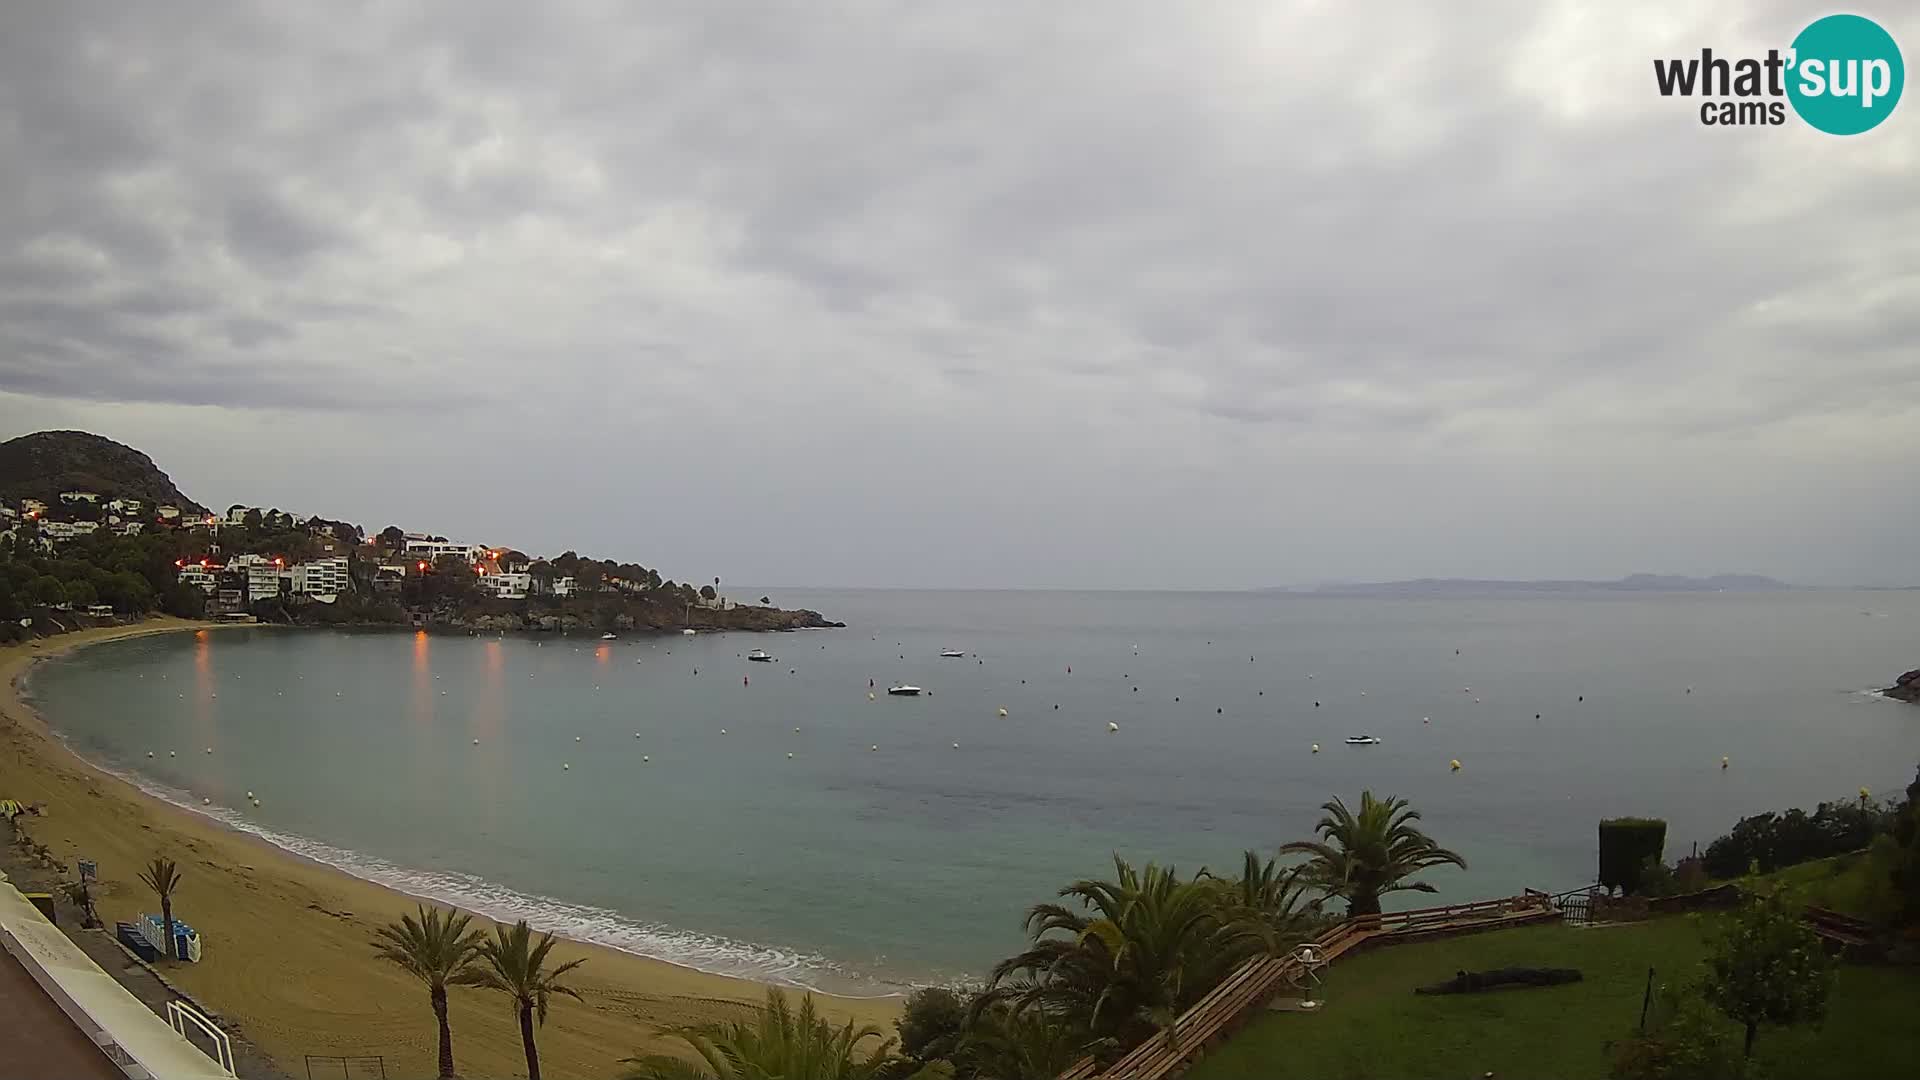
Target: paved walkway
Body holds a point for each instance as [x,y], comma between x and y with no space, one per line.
[37,1041]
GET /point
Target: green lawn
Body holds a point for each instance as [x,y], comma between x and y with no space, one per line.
[1374,1026]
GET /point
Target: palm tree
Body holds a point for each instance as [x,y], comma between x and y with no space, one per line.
[1139,950]
[163,877]
[439,950]
[516,966]
[1006,1044]
[1363,857]
[1276,895]
[779,1042]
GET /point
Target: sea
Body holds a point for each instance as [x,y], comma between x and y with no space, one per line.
[791,821]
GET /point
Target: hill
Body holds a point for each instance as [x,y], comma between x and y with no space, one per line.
[46,463]
[1632,583]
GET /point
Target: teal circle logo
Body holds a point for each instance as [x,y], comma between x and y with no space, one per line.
[1846,74]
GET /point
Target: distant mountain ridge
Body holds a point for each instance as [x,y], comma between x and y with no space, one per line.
[1478,586]
[46,463]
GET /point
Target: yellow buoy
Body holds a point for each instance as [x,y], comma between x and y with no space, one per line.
[1864,793]
[1455,764]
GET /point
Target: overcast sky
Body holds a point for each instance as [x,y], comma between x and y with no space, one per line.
[1025,294]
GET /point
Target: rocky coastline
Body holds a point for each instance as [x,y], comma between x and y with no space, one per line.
[1905,688]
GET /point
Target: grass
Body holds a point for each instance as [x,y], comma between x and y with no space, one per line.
[1374,1026]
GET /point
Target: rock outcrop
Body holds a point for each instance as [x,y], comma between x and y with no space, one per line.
[1906,688]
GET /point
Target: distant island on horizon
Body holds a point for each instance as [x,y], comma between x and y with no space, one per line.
[1481,586]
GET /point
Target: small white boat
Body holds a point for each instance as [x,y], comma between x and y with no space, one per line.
[609,637]
[761,656]
[1361,740]
[689,633]
[951,652]
[903,690]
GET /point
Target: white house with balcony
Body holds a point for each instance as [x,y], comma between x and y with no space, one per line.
[168,513]
[322,579]
[506,585]
[429,550]
[68,530]
[71,497]
[202,576]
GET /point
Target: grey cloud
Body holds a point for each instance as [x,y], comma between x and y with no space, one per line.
[1153,248]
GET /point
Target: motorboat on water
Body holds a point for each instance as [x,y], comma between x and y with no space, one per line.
[951,652]
[1361,740]
[761,656]
[609,637]
[689,633]
[903,690]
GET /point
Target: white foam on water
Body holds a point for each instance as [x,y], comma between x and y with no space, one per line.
[707,953]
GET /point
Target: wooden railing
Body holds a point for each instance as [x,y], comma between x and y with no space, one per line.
[1255,982]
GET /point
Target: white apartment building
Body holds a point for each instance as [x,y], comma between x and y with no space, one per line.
[204,578]
[125,506]
[322,577]
[263,580]
[79,496]
[169,513]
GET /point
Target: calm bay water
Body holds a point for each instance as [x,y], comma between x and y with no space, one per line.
[858,869]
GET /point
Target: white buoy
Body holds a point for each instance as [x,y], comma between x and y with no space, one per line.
[1426,719]
[1316,748]
[206,802]
[1112,727]
[1003,712]
[172,754]
[956,746]
[149,753]
[636,734]
[789,757]
[1363,693]
[723,731]
[796,731]
[644,759]
[564,765]
[249,794]
[209,749]
[476,742]
[576,738]
[875,746]
[1723,761]
[443,693]
[869,695]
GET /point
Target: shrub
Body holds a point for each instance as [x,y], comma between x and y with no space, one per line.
[1685,1039]
[1626,845]
[930,1023]
[1767,968]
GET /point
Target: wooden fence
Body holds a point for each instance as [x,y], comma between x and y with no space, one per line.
[1256,982]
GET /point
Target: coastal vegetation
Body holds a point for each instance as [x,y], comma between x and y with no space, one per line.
[437,948]
[784,1042]
[1362,857]
[163,877]
[515,964]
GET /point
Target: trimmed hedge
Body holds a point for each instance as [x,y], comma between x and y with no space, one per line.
[1625,846]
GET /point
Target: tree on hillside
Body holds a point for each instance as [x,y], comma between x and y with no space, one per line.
[438,949]
[516,965]
[707,593]
[1767,967]
[47,589]
[1361,857]
[392,538]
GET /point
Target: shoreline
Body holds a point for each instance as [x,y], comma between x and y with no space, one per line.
[278,908]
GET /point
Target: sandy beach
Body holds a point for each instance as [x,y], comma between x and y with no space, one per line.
[287,953]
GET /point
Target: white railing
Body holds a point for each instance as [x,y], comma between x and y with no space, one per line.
[180,1014]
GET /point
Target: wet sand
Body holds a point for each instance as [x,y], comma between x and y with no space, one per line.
[287,940]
